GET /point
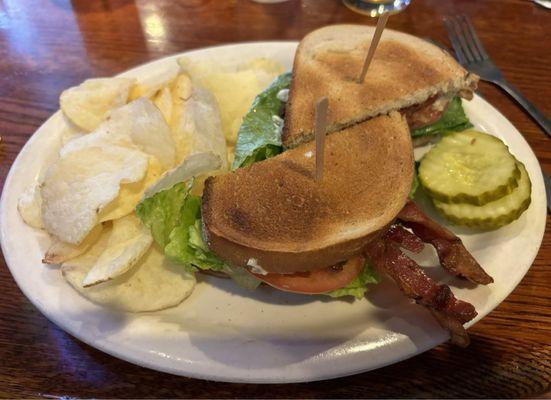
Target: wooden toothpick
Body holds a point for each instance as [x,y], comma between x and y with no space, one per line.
[381,23]
[320,129]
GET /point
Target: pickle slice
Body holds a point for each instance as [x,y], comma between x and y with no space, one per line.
[495,214]
[469,167]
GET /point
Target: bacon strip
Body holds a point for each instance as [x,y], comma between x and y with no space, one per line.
[404,238]
[458,334]
[452,254]
[426,113]
[450,312]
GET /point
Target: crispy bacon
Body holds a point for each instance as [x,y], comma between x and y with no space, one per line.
[404,238]
[452,254]
[450,312]
[458,334]
[426,113]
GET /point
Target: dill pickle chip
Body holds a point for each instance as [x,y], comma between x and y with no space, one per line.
[494,214]
[469,167]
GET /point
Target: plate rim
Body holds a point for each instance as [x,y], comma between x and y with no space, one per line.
[307,377]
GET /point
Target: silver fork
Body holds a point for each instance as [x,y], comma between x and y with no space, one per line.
[472,55]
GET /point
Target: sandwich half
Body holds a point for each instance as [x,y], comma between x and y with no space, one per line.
[407,74]
[275,218]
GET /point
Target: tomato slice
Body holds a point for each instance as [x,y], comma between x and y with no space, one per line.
[320,281]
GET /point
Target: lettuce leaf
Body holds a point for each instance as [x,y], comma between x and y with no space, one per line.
[186,244]
[188,248]
[161,212]
[261,153]
[174,219]
[415,184]
[453,120]
[358,287]
[259,136]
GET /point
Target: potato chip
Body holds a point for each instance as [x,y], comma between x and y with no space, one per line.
[265,65]
[131,193]
[128,242]
[233,86]
[180,94]
[182,89]
[150,85]
[29,206]
[231,154]
[70,131]
[163,101]
[138,124]
[192,166]
[81,183]
[145,125]
[196,126]
[68,135]
[100,137]
[89,104]
[153,284]
[59,251]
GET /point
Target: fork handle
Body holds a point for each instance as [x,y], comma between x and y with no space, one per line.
[540,118]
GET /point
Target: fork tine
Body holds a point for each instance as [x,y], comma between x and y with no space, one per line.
[458,41]
[455,44]
[469,41]
[469,26]
[462,40]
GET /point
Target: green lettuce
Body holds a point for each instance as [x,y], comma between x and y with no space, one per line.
[358,287]
[415,184]
[161,213]
[259,136]
[453,120]
[174,218]
[186,245]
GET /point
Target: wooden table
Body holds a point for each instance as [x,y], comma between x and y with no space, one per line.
[49,45]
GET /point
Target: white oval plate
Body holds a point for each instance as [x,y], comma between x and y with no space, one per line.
[225,333]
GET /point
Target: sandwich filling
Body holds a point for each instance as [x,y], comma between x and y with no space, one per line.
[437,116]
[349,278]
[427,113]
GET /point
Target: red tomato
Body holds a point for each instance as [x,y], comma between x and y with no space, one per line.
[320,281]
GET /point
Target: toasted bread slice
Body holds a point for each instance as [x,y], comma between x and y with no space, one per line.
[273,214]
[405,71]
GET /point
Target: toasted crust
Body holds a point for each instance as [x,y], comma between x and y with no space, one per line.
[406,71]
[275,212]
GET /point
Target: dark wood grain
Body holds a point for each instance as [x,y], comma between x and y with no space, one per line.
[48,45]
